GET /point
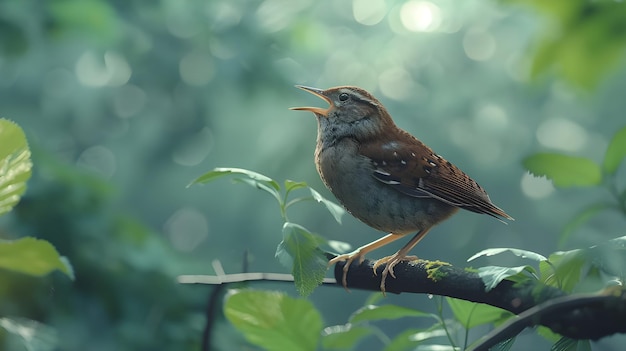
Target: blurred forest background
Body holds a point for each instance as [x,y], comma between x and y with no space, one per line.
[125,102]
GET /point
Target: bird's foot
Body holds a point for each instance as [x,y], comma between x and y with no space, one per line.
[390,262]
[349,258]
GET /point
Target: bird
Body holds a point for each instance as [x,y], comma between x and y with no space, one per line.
[386,177]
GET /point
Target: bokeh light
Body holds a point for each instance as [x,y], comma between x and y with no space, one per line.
[536,187]
[187,228]
[111,69]
[369,12]
[129,100]
[561,134]
[98,159]
[479,44]
[196,68]
[420,16]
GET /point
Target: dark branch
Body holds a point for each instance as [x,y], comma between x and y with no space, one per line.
[581,316]
[580,305]
[568,315]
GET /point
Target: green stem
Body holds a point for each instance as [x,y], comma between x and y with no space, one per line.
[620,197]
[467,329]
[299,199]
[442,321]
[283,210]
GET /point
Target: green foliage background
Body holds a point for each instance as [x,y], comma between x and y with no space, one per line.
[124,103]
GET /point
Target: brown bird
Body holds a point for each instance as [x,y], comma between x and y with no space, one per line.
[386,177]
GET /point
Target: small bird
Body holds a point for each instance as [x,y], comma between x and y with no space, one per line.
[386,177]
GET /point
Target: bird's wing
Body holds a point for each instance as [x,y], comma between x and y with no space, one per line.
[414,169]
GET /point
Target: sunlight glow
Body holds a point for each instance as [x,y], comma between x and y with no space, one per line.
[420,16]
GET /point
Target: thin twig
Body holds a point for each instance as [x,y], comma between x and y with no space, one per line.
[212,303]
[211,308]
[241,277]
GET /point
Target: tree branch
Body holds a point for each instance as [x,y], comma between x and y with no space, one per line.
[589,316]
[578,316]
[559,307]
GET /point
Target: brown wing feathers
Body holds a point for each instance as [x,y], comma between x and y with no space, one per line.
[425,174]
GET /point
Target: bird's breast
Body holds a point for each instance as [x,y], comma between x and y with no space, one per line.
[349,176]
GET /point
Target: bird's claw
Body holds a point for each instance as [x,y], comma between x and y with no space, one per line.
[391,262]
[349,258]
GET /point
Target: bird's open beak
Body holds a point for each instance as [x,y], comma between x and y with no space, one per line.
[316,110]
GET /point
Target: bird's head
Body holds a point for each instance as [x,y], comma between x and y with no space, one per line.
[352,112]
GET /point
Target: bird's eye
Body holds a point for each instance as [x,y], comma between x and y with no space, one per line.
[343,97]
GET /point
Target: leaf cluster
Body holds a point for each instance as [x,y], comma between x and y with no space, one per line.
[26,255]
[299,249]
[587,34]
[571,171]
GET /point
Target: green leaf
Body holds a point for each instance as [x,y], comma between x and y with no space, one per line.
[334,209]
[517,252]
[273,320]
[32,256]
[580,219]
[220,172]
[592,43]
[373,313]
[610,257]
[252,178]
[374,298]
[504,345]
[260,185]
[15,164]
[544,57]
[471,314]
[548,334]
[409,339]
[616,152]
[568,344]
[493,275]
[403,341]
[300,250]
[35,336]
[91,17]
[564,171]
[563,269]
[585,37]
[437,347]
[343,337]
[290,185]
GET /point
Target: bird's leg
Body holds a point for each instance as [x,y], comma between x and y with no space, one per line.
[360,254]
[393,260]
